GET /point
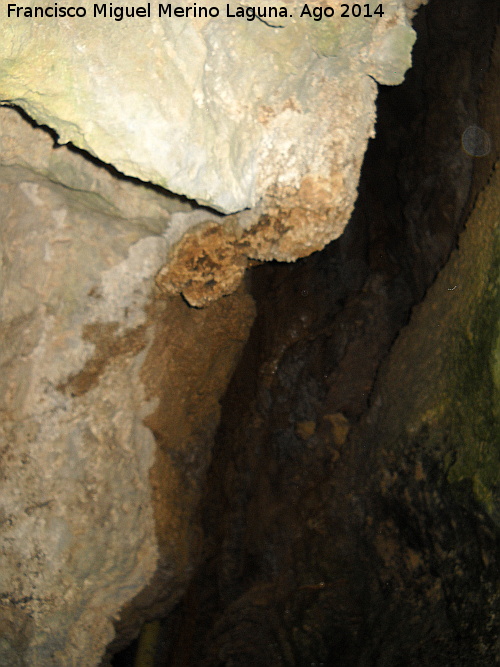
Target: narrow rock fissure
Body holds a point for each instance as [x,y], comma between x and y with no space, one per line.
[302,562]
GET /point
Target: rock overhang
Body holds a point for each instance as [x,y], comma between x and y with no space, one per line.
[226,109]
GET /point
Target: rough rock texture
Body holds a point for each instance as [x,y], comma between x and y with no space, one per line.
[451,397]
[231,112]
[355,501]
[351,514]
[79,325]
[206,264]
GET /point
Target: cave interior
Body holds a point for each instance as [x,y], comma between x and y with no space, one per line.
[303,560]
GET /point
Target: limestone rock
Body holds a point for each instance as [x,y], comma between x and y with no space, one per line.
[272,115]
[79,318]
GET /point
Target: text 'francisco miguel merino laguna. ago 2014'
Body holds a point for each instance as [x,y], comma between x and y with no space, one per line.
[250,13]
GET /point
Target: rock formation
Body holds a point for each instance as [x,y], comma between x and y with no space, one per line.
[89,355]
[271,115]
[126,313]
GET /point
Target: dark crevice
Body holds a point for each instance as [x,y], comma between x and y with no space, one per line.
[105,166]
[289,574]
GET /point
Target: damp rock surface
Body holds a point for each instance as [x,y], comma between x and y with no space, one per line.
[351,514]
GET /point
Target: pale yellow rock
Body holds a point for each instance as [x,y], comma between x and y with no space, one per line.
[305,430]
[340,427]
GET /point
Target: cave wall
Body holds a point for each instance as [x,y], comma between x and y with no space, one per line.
[431,439]
[110,382]
[103,384]
[268,122]
[111,385]
[452,392]
[216,107]
[350,513]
